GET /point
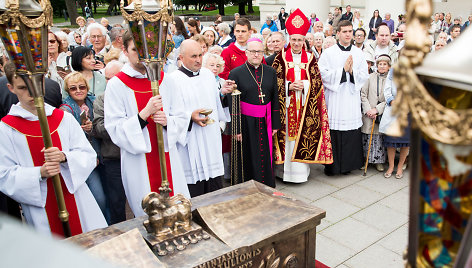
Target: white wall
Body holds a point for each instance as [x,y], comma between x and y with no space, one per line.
[394,7]
[319,7]
[457,8]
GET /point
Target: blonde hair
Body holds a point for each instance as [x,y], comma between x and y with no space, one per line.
[112,54]
[201,39]
[74,77]
[79,18]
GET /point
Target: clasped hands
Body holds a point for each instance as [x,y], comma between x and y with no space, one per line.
[52,157]
[372,113]
[154,108]
[348,65]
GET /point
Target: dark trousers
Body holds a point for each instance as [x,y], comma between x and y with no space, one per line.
[113,187]
[203,187]
[9,206]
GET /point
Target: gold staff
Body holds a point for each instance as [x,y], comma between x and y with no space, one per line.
[148,21]
[24,31]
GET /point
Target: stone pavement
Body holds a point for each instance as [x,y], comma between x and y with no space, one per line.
[366,222]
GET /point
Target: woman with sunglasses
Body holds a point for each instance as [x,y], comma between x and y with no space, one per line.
[80,104]
[56,60]
[83,61]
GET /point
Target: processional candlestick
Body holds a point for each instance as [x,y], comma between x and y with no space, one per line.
[24,29]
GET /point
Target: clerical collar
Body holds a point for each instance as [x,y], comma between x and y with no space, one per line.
[243,48]
[252,66]
[187,72]
[343,48]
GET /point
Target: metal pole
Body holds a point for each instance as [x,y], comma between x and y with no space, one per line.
[56,180]
[414,196]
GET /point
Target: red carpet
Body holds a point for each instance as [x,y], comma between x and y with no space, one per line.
[320,265]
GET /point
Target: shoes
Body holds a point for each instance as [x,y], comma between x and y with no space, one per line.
[405,166]
[399,176]
[379,167]
[387,175]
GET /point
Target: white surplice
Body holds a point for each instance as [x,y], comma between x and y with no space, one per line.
[21,180]
[294,171]
[122,124]
[343,100]
[199,148]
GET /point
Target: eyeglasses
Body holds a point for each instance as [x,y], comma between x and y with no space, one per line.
[96,36]
[81,88]
[52,41]
[255,52]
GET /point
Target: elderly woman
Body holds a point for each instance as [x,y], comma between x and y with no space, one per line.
[373,104]
[83,61]
[328,42]
[216,65]
[225,39]
[202,41]
[80,104]
[318,39]
[357,21]
[393,143]
[82,27]
[56,60]
[215,50]
[210,35]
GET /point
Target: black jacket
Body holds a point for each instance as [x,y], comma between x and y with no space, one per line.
[52,97]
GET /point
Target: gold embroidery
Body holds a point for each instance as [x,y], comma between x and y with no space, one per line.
[297,22]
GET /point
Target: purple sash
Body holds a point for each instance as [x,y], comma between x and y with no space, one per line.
[260,111]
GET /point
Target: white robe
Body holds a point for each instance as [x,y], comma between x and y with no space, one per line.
[21,180]
[294,171]
[200,148]
[122,124]
[343,100]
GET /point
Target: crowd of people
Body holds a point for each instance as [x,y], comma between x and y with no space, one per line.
[311,92]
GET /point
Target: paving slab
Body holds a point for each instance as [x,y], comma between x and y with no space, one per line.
[353,234]
[358,196]
[397,241]
[381,218]
[382,185]
[311,189]
[336,209]
[374,257]
[330,252]
[399,201]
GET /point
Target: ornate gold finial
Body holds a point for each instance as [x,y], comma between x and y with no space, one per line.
[14,15]
[169,224]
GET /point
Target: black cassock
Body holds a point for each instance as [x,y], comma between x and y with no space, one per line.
[257,162]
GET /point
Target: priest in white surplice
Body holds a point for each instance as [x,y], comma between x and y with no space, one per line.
[344,72]
[131,114]
[25,168]
[199,145]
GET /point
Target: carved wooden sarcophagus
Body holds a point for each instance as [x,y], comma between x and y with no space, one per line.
[248,225]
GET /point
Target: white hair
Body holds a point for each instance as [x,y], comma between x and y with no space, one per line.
[319,34]
[224,27]
[218,58]
[97,26]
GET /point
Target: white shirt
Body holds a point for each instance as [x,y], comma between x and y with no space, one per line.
[343,100]
[199,148]
[122,124]
[21,180]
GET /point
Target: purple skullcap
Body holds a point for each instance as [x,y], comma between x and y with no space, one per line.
[254,39]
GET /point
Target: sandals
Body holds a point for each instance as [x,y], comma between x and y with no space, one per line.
[387,175]
[399,176]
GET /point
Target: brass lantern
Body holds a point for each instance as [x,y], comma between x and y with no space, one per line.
[437,91]
[148,21]
[24,31]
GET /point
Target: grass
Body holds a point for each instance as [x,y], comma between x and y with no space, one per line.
[229,10]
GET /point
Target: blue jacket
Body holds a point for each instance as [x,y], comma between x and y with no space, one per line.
[272,27]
